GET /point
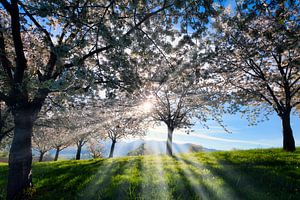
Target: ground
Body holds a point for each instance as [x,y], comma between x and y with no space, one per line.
[253,174]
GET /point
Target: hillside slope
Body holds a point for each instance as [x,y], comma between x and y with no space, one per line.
[254,174]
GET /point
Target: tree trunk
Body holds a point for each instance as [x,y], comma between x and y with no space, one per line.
[112,148]
[20,157]
[169,150]
[41,156]
[56,153]
[288,138]
[78,153]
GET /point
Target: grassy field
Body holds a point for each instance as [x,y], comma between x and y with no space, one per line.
[254,174]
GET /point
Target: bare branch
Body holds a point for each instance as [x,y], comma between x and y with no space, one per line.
[18,44]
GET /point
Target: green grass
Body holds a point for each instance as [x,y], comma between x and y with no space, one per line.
[253,174]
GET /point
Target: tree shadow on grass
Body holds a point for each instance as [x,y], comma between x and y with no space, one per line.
[62,179]
[120,180]
[251,180]
[3,180]
[205,184]
[67,181]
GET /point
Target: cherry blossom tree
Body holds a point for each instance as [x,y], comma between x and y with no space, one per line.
[80,140]
[68,125]
[123,124]
[60,140]
[60,134]
[180,106]
[96,148]
[184,92]
[257,56]
[85,124]
[42,140]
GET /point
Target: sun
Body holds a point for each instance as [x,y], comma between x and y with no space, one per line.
[147,107]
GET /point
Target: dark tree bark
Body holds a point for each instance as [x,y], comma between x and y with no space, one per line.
[20,156]
[288,138]
[41,156]
[4,131]
[169,150]
[57,153]
[78,153]
[112,148]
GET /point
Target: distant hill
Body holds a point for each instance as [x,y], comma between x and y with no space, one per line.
[156,147]
[122,148]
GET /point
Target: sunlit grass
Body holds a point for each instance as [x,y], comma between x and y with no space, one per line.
[254,174]
[154,185]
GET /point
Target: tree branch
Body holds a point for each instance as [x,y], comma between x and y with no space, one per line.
[154,43]
[295,81]
[3,97]
[18,43]
[293,93]
[6,133]
[37,24]
[53,57]
[7,6]
[146,17]
[295,104]
[6,64]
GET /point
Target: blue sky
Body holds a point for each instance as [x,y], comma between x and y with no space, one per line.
[264,135]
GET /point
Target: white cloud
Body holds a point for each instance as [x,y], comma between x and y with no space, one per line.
[160,133]
[203,136]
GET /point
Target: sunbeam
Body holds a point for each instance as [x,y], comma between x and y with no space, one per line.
[215,185]
[100,184]
[154,179]
[101,177]
[194,179]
